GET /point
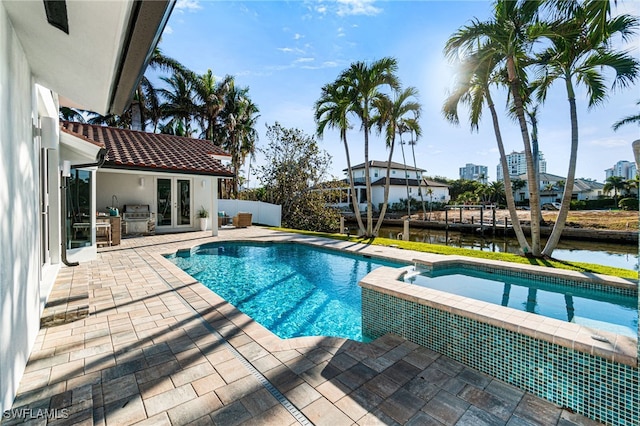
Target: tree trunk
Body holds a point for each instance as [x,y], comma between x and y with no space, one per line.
[354,196]
[534,193]
[556,233]
[511,205]
[367,178]
[383,210]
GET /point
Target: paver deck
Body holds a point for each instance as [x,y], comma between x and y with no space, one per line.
[158,348]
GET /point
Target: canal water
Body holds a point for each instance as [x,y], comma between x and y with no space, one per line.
[609,254]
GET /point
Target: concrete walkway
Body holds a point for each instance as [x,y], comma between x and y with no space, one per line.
[158,348]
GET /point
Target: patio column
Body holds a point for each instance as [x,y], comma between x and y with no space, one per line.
[213,184]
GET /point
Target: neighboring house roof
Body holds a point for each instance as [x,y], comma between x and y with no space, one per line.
[544,177]
[433,183]
[383,165]
[581,185]
[395,182]
[134,150]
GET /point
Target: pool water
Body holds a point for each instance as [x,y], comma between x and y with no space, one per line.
[592,308]
[292,289]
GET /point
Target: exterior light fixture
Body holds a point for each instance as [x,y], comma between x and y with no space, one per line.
[57,14]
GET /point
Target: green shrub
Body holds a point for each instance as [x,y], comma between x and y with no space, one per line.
[628,204]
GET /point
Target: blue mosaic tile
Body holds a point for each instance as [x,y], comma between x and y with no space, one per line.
[596,387]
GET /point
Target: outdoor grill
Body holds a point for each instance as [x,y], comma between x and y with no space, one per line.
[137,219]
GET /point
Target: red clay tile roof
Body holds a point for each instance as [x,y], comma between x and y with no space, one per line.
[134,150]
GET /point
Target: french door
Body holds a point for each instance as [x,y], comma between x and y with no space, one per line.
[174,205]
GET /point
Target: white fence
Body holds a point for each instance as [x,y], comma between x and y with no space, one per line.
[262,213]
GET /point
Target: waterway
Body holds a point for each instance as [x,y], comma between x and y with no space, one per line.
[609,254]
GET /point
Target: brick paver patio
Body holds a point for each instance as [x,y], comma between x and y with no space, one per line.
[158,348]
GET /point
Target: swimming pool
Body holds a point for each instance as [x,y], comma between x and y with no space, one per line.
[592,307]
[292,289]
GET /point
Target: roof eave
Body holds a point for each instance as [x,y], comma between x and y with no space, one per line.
[137,168]
[146,25]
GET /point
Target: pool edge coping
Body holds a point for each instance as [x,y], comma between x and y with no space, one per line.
[617,348]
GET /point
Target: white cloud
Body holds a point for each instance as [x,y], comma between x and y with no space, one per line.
[299,60]
[321,9]
[357,7]
[188,5]
[609,142]
[167,30]
[297,36]
[291,50]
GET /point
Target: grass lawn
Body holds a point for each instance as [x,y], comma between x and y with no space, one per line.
[508,257]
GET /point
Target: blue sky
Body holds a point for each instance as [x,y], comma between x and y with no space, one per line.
[285,51]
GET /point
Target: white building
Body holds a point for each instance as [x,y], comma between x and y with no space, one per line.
[401,177]
[552,188]
[474,172]
[89,54]
[517,164]
[625,169]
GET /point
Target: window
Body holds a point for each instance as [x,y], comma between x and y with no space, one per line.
[79,209]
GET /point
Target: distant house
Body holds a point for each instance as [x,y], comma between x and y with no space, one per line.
[552,188]
[401,177]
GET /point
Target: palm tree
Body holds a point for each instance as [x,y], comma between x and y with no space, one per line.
[578,53]
[71,114]
[238,133]
[331,110]
[629,119]
[395,117]
[363,82]
[179,100]
[505,39]
[413,143]
[476,73]
[615,183]
[145,104]
[210,100]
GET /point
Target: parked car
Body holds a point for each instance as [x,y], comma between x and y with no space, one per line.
[551,206]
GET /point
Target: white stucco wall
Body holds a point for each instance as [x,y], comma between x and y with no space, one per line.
[19,214]
[126,187]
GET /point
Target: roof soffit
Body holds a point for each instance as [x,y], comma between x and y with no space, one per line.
[97,65]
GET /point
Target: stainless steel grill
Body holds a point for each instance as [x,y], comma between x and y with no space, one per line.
[137,219]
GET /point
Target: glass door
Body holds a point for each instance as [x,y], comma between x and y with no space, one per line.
[164,209]
[183,215]
[174,203]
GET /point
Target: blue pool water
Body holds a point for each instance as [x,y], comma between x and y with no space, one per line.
[593,308]
[291,289]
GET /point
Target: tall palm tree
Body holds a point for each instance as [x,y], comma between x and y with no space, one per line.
[364,82]
[395,117]
[238,133]
[476,73]
[331,110]
[505,37]
[179,100]
[578,53]
[413,143]
[629,119]
[210,99]
[145,104]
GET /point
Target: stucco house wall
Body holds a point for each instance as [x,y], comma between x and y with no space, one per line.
[23,283]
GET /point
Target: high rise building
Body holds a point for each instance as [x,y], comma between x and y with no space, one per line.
[474,172]
[625,169]
[517,165]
